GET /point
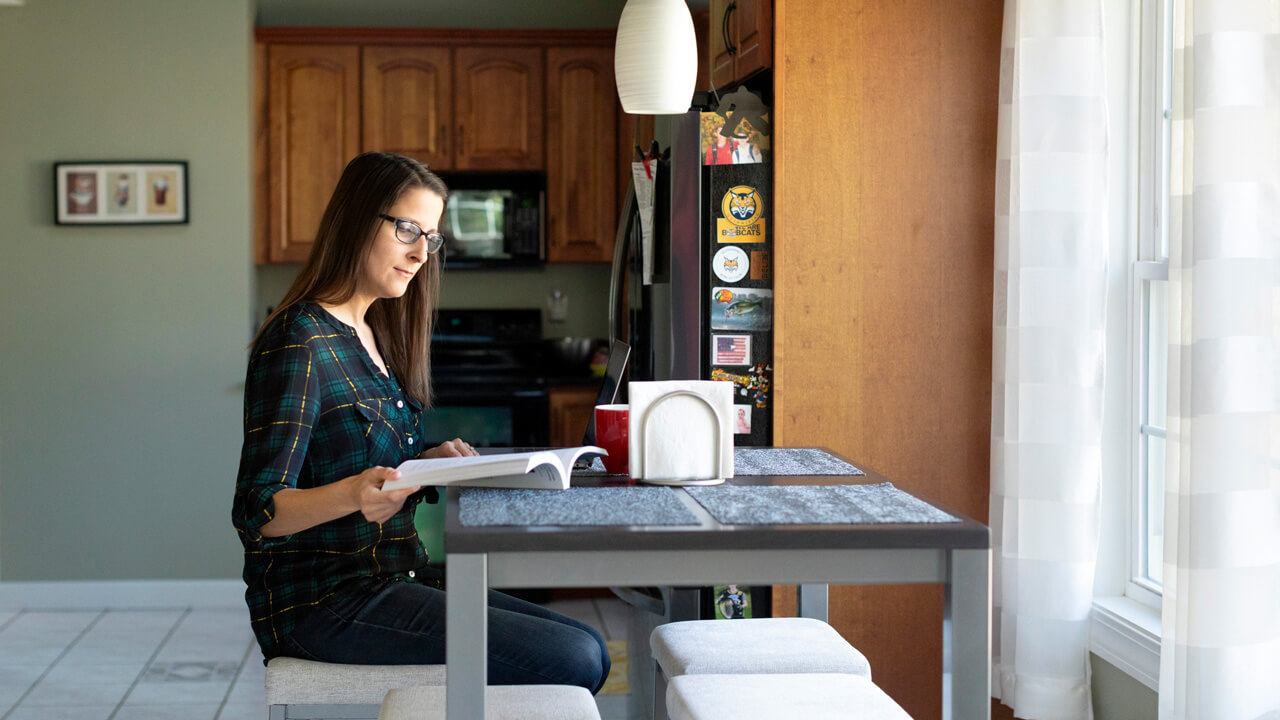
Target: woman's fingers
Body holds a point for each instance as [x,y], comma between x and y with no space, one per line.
[464,448]
[456,447]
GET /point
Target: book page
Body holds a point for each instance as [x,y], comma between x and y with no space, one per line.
[510,467]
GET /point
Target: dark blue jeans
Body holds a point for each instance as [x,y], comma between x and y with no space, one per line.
[402,623]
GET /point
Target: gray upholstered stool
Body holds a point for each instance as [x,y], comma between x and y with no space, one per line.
[502,702]
[764,645]
[749,647]
[306,689]
[813,696]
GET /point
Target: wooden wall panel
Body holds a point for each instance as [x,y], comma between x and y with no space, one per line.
[885,180]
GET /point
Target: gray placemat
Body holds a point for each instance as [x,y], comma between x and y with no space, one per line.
[779,461]
[815,504]
[575,506]
[789,461]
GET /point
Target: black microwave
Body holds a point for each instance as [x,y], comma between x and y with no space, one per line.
[494,219]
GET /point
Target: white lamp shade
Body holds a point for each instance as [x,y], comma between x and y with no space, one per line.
[655,61]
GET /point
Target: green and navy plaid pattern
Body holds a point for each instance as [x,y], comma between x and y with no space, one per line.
[316,410]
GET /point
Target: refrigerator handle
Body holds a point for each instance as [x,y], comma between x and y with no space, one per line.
[621,247]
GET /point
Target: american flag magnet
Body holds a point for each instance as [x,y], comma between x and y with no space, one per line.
[731,350]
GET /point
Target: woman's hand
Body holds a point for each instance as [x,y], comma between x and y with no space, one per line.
[374,503]
[450,448]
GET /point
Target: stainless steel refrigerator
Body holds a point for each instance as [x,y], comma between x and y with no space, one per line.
[707,314]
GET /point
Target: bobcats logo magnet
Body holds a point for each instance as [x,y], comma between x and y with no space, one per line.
[742,205]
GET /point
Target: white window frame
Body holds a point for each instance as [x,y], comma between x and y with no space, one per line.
[1154,113]
[1126,615]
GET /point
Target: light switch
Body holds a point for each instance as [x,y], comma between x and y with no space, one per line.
[557,306]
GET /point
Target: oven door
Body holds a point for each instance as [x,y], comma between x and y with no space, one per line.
[489,416]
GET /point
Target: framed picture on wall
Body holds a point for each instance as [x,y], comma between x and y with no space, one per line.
[121,193]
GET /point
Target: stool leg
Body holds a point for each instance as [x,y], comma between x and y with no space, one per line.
[812,601]
[659,693]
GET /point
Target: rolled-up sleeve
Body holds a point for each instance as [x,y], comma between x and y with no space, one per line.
[281,406]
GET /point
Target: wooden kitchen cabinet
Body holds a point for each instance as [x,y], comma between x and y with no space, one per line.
[454,99]
[582,119]
[571,408]
[407,102]
[314,130]
[741,39]
[499,108]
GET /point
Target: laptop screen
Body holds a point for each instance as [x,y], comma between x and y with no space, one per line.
[619,352]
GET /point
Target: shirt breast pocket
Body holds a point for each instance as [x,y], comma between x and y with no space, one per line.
[383,442]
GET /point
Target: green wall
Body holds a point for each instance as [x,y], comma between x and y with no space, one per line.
[122,348]
[1117,696]
[586,286]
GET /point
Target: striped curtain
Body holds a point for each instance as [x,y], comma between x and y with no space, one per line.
[1049,333]
[1220,645]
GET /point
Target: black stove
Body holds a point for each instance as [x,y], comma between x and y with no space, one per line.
[487,375]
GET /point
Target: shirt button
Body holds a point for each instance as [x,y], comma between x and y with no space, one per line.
[399,403]
[410,439]
[411,574]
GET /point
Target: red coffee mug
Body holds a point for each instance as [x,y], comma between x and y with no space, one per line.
[611,434]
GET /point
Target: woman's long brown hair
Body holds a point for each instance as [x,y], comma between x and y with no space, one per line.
[370,185]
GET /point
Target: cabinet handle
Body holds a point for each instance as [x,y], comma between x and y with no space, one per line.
[444,136]
[724,29]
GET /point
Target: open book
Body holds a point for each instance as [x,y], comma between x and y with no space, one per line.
[543,470]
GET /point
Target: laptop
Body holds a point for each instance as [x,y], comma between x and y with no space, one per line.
[619,353]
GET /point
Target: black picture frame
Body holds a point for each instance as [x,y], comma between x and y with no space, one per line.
[121,192]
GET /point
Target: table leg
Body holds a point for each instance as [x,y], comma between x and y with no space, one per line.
[811,600]
[966,637]
[466,635]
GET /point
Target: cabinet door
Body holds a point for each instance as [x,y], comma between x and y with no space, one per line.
[499,108]
[314,110]
[753,38]
[261,181]
[407,99]
[571,408]
[723,13]
[581,125]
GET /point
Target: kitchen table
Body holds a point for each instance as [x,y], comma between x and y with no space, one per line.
[955,554]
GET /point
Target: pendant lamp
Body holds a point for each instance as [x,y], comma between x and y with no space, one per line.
[655,61]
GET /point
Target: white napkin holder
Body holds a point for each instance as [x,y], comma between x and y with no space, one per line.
[681,431]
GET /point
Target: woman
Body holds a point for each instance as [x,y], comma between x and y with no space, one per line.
[337,381]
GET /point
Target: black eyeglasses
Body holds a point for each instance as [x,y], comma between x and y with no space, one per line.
[408,232]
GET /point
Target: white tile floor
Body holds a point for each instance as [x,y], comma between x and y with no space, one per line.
[189,663]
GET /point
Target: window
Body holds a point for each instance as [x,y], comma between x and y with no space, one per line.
[1149,317]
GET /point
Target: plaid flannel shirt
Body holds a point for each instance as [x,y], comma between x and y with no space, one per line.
[316,410]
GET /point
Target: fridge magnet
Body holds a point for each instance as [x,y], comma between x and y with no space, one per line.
[741,309]
[732,602]
[731,141]
[743,221]
[731,350]
[748,387]
[730,264]
[761,267]
[742,419]
[761,380]
[738,133]
[120,193]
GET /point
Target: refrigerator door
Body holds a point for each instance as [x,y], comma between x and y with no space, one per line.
[665,321]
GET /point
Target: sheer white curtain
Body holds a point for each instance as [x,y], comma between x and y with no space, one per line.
[1049,332]
[1220,647]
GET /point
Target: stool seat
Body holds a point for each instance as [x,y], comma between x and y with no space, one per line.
[292,681]
[502,702]
[813,696]
[757,646]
